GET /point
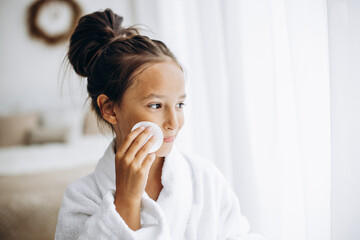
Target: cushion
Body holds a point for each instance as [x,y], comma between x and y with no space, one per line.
[41,135]
[68,119]
[14,129]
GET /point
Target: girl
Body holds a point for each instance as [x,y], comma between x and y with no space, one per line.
[134,194]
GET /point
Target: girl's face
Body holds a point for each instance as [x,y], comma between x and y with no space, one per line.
[157,95]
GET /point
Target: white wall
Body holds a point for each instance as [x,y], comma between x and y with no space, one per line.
[344,43]
[30,71]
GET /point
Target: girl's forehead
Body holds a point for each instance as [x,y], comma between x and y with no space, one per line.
[166,76]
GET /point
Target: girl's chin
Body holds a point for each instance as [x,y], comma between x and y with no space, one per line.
[164,150]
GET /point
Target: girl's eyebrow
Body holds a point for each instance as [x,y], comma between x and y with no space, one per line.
[183,96]
[152,95]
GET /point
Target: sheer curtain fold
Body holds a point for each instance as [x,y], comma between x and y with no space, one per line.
[259,104]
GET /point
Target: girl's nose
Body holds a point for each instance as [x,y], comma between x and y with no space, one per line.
[171,121]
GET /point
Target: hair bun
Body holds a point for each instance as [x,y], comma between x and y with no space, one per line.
[92,34]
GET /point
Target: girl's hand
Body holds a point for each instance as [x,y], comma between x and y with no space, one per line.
[132,166]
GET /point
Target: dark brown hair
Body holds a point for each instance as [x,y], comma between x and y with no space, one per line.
[108,54]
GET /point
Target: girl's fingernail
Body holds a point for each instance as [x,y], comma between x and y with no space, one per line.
[141,128]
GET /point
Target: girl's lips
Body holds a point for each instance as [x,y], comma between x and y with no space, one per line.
[169,139]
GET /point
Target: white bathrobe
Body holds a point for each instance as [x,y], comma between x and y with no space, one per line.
[195,203]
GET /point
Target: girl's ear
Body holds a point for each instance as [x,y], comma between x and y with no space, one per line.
[106,108]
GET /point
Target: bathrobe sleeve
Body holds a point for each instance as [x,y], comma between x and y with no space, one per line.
[83,215]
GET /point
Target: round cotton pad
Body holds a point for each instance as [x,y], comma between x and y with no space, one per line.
[156,130]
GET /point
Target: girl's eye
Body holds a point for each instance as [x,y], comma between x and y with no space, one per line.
[155,106]
[180,105]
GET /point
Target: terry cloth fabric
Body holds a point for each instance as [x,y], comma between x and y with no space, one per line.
[195,203]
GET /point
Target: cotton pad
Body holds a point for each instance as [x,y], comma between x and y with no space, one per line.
[156,130]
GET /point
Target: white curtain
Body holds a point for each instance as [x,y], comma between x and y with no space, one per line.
[259,104]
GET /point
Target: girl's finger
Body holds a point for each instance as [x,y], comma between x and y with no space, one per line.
[141,154]
[138,142]
[148,161]
[128,140]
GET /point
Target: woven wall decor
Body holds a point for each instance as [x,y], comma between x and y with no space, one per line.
[45,16]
